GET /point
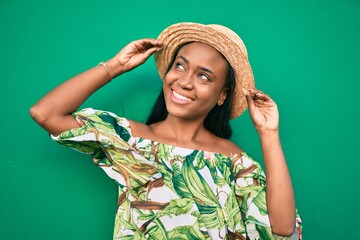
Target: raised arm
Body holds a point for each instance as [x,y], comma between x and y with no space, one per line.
[53,111]
[279,191]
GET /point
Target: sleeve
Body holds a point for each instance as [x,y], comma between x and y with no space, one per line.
[100,130]
[106,138]
[250,189]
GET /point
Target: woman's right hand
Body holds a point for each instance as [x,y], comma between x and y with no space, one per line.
[136,53]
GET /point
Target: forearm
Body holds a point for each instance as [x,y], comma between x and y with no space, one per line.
[53,111]
[279,190]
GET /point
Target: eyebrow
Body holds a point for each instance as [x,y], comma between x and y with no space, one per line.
[202,68]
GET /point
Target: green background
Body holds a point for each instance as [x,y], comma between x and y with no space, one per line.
[305,54]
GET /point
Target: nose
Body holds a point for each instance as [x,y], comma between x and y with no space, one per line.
[186,82]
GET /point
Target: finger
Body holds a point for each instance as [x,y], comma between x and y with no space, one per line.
[259,95]
[150,51]
[249,99]
[153,41]
[150,42]
[254,93]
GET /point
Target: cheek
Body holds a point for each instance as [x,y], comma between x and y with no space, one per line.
[209,93]
[165,87]
[167,83]
[169,77]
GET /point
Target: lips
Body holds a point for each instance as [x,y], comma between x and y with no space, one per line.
[180,97]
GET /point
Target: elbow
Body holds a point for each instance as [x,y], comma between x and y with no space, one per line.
[284,231]
[38,115]
[285,224]
[50,120]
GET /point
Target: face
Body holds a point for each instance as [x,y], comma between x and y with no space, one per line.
[196,81]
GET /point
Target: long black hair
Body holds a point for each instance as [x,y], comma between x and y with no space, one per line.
[217,120]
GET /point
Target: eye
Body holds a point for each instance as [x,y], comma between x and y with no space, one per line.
[179,66]
[204,77]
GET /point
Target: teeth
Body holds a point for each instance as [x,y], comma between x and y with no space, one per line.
[181,97]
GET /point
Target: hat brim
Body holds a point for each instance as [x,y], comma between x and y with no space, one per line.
[223,40]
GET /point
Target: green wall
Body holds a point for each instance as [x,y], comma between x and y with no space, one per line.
[305,54]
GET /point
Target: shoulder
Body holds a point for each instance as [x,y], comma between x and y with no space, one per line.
[225,146]
[231,148]
[139,129]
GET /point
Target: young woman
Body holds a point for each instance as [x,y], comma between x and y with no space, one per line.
[179,176]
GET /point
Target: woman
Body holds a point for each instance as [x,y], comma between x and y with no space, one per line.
[179,176]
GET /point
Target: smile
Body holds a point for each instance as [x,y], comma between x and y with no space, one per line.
[181,97]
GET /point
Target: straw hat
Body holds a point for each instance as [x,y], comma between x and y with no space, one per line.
[224,40]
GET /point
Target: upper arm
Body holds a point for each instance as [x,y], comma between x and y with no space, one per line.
[59,125]
[54,124]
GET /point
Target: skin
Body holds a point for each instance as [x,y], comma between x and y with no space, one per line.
[192,87]
[194,84]
[199,74]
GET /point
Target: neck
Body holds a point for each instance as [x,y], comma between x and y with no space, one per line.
[180,131]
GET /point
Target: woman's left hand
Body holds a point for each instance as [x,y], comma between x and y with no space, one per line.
[263,110]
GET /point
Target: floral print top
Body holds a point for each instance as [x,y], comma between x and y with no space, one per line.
[170,192]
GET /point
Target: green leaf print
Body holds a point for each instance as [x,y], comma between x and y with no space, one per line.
[179,233]
[139,236]
[212,216]
[94,120]
[123,133]
[179,183]
[218,178]
[125,237]
[198,187]
[256,222]
[223,164]
[264,232]
[166,176]
[200,161]
[248,191]
[73,132]
[126,224]
[145,217]
[156,233]
[260,202]
[135,172]
[153,233]
[84,147]
[176,207]
[160,182]
[232,211]
[187,232]
[164,152]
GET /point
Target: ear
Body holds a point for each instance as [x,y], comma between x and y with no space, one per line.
[222,97]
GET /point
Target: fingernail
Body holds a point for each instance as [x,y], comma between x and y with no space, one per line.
[244,91]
